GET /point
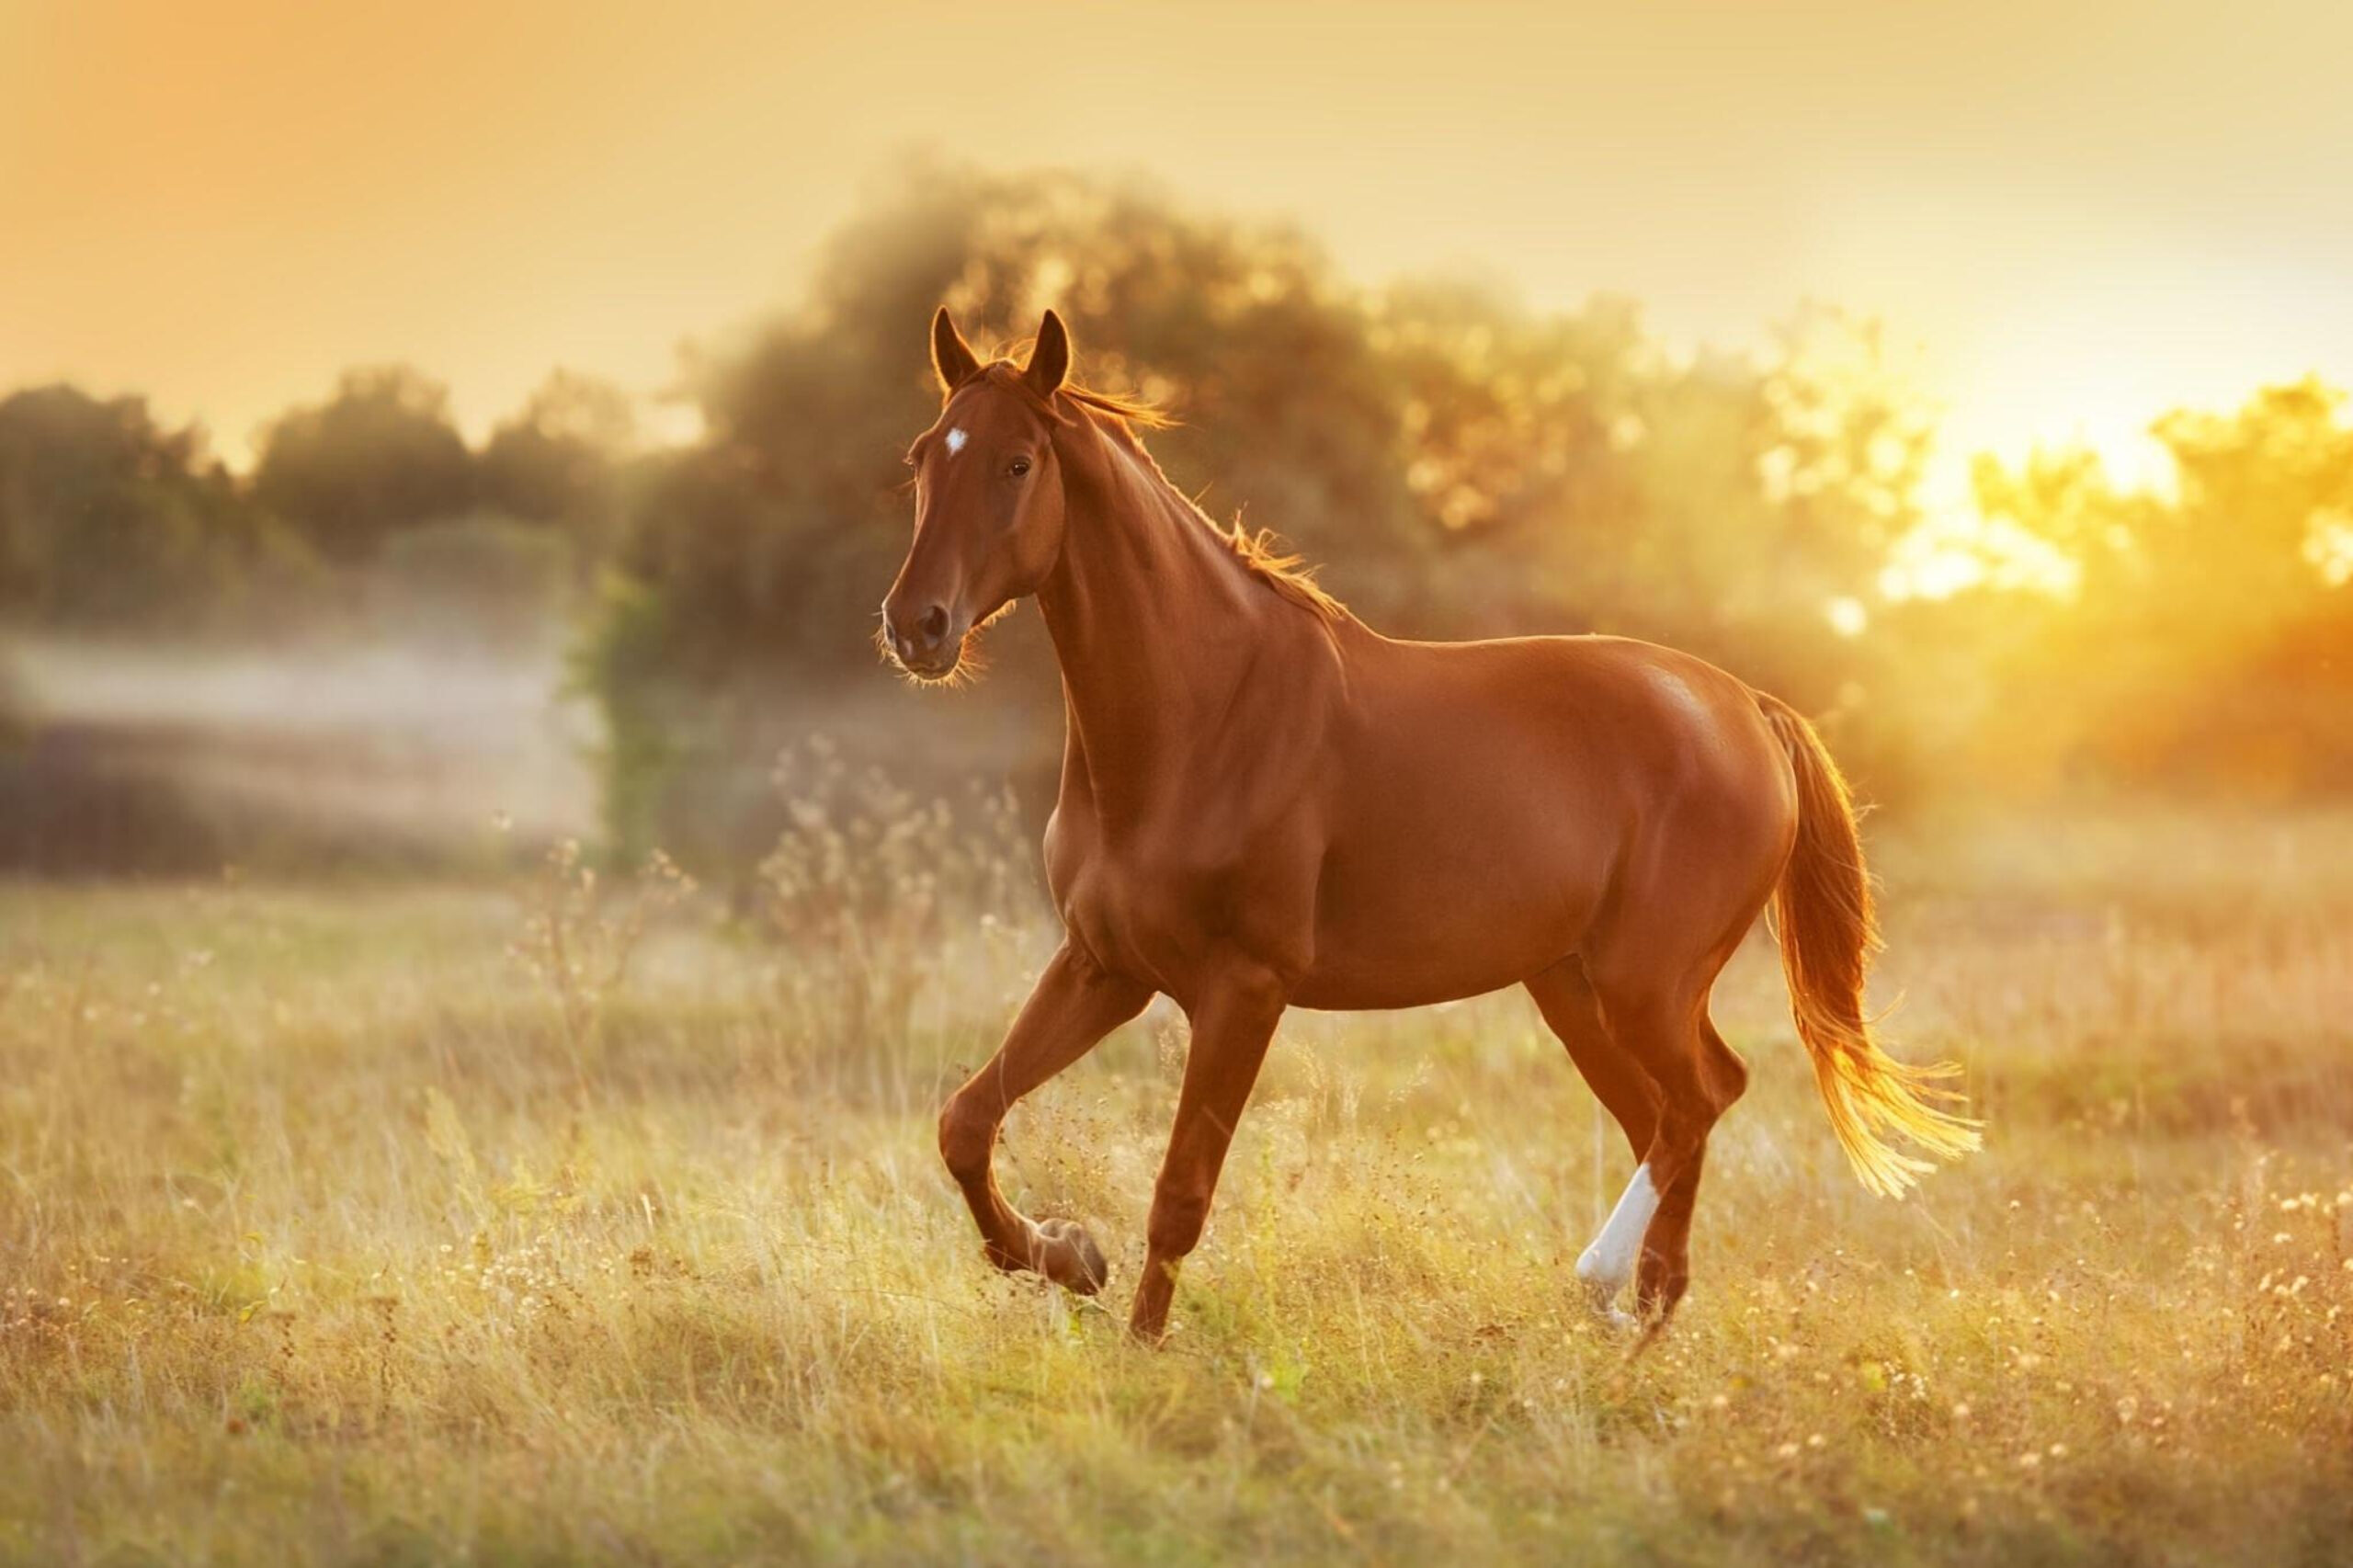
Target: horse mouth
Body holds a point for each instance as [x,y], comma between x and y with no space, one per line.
[932,671]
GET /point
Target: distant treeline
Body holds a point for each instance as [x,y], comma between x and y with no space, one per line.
[111,522]
[1461,465]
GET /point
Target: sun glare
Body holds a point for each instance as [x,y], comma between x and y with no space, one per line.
[1957,547]
[2331,547]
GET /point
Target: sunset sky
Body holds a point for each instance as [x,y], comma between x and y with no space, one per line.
[2070,216]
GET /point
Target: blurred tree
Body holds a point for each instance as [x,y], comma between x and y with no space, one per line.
[2237,553]
[108,521]
[560,459]
[2204,644]
[382,454]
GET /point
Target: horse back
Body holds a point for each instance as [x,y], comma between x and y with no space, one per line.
[1488,803]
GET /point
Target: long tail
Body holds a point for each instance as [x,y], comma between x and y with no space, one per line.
[1822,914]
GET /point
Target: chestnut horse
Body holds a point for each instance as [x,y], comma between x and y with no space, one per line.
[1267,804]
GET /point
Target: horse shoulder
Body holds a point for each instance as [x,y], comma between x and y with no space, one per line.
[1226,861]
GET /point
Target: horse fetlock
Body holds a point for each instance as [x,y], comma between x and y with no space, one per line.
[1601,1290]
[1656,1296]
[1602,1275]
[1608,1263]
[1148,1320]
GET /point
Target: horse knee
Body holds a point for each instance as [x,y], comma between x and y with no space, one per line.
[967,1138]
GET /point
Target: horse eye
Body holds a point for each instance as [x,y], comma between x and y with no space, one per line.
[1019,467]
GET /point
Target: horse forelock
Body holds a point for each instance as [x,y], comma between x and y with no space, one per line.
[1007,376]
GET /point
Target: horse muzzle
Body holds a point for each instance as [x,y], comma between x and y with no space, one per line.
[929,645]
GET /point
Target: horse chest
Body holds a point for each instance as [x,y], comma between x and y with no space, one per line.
[1162,906]
[1142,906]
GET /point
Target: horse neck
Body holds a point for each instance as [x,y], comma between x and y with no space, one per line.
[1154,621]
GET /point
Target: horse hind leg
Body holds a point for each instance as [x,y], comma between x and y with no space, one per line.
[1665,1272]
[1697,1078]
[1566,997]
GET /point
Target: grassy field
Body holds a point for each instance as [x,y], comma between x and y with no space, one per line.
[353,1224]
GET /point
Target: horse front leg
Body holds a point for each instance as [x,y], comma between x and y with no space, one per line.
[1074,1003]
[1234,1022]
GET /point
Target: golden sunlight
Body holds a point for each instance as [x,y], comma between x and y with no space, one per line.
[1063,782]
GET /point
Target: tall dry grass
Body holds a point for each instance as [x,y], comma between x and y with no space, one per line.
[332,1230]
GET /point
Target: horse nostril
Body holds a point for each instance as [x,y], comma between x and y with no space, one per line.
[934,625]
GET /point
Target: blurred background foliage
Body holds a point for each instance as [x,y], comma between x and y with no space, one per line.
[1460,464]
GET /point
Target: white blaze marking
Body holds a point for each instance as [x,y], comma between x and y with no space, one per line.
[955,441]
[1608,1263]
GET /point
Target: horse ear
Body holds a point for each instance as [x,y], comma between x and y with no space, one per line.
[1050,360]
[952,357]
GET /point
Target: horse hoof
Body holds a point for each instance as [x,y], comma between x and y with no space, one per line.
[1601,1300]
[1068,1256]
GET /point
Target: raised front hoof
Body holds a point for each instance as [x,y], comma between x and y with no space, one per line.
[1610,1316]
[1068,1256]
[1060,1250]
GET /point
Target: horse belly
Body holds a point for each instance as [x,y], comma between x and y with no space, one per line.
[1468,896]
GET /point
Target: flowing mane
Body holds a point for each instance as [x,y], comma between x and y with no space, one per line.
[1258,549]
